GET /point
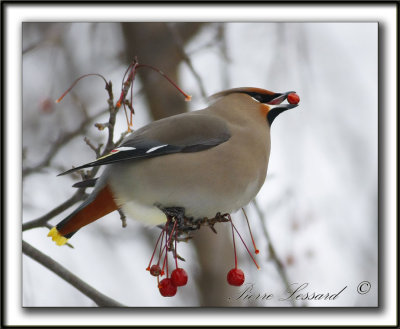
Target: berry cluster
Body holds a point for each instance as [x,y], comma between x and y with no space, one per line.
[168,286]
[167,241]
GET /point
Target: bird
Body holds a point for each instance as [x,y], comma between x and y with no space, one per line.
[209,161]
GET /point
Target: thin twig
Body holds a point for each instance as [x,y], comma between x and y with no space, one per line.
[97,150]
[56,146]
[272,252]
[122,217]
[42,220]
[113,110]
[179,43]
[121,138]
[221,36]
[80,194]
[62,272]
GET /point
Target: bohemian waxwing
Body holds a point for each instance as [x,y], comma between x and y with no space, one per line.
[209,161]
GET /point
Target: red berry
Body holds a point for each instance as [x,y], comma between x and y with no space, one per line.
[167,288]
[235,277]
[179,277]
[46,105]
[293,98]
[155,270]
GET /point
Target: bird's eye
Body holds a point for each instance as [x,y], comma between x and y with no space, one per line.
[262,97]
[257,97]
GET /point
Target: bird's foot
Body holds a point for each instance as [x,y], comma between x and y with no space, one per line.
[177,219]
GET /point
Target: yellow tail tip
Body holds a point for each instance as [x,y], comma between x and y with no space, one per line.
[57,237]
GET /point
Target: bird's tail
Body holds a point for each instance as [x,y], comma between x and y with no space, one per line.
[95,207]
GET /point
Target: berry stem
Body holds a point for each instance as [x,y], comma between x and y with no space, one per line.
[165,262]
[154,251]
[76,81]
[175,255]
[128,83]
[233,227]
[251,234]
[161,245]
[167,242]
[173,229]
[234,244]
[187,97]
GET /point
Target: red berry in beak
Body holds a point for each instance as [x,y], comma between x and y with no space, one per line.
[293,98]
[179,277]
[235,277]
[167,288]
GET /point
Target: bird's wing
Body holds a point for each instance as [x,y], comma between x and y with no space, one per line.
[188,132]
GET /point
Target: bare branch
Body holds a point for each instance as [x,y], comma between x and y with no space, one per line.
[56,146]
[83,287]
[123,217]
[50,38]
[221,36]
[113,110]
[96,150]
[121,138]
[80,194]
[179,43]
[41,221]
[272,252]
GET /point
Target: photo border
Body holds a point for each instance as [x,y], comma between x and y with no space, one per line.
[13,14]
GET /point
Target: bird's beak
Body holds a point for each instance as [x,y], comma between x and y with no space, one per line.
[276,107]
[280,98]
[283,107]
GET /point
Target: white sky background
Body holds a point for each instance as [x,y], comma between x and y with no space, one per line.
[320,197]
[323,164]
[322,176]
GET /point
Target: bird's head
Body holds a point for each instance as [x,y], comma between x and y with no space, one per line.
[273,103]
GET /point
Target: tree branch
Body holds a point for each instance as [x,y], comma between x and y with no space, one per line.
[79,195]
[83,287]
[272,252]
[179,43]
[61,141]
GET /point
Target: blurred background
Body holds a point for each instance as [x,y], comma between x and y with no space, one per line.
[318,207]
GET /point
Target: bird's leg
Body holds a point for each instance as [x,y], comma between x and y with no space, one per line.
[175,226]
[184,223]
[211,226]
[179,224]
[217,219]
[173,214]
